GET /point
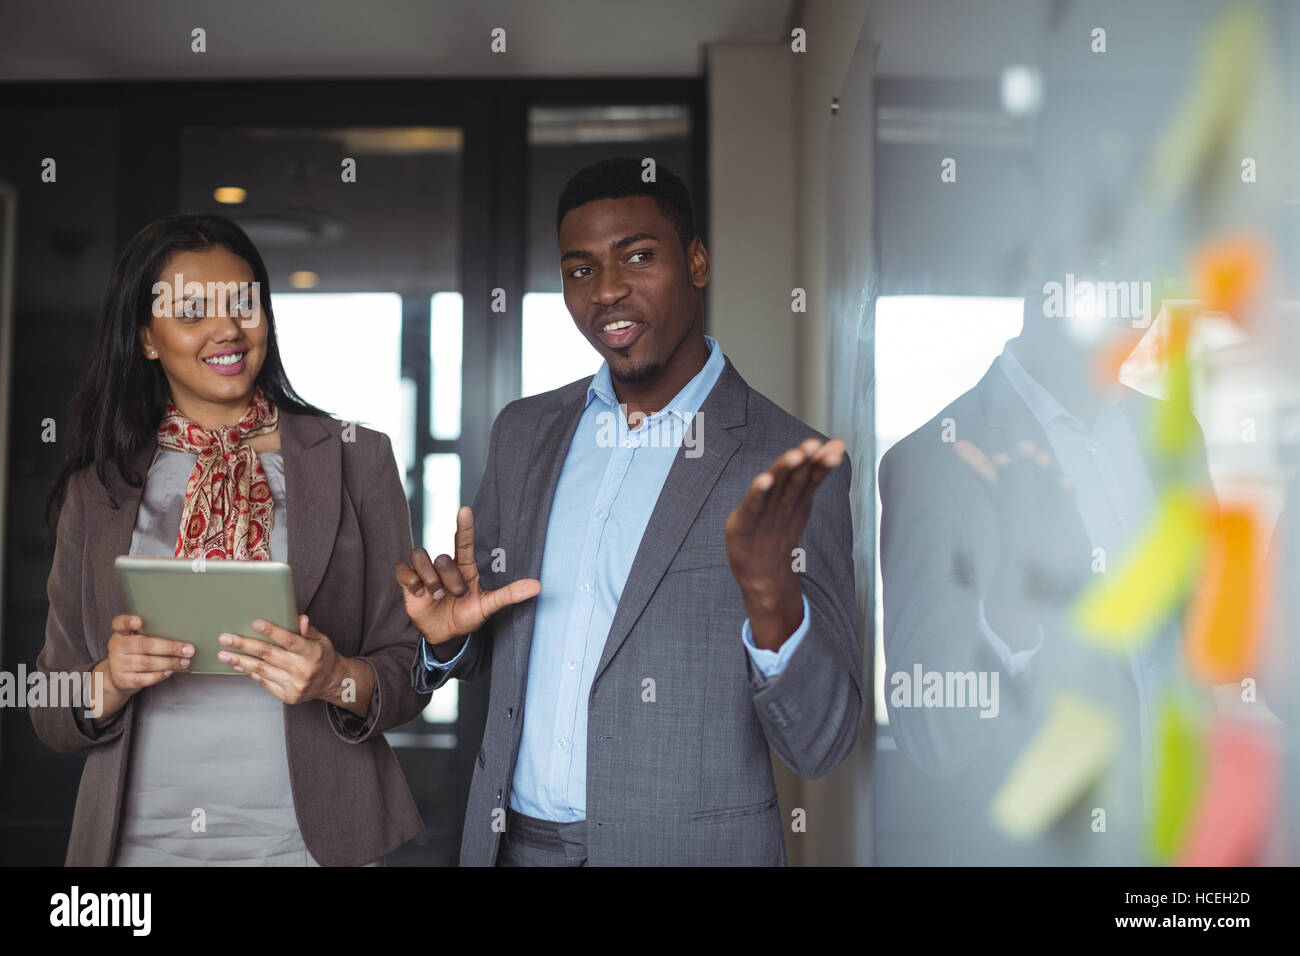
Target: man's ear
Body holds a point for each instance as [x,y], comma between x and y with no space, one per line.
[697,260]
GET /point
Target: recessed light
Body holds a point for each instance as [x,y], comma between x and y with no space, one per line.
[232,195]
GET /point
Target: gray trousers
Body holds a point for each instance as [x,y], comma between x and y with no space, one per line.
[529,841]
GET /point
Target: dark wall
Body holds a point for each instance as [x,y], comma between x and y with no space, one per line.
[65,251]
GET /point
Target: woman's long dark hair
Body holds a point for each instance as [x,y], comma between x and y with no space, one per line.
[123,395]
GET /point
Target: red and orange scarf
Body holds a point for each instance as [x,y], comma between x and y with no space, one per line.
[228,505]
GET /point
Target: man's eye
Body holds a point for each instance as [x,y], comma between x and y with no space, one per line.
[577,273]
[644,252]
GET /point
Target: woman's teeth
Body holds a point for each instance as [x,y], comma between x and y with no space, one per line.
[233,359]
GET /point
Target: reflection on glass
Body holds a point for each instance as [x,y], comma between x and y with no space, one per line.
[555,353]
[929,350]
[445,351]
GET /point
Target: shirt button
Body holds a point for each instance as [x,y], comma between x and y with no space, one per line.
[563,743]
[572,665]
[586,587]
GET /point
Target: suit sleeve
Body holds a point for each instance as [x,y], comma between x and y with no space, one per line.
[475,658]
[67,729]
[812,709]
[388,635]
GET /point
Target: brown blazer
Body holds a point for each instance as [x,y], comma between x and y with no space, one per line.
[348,525]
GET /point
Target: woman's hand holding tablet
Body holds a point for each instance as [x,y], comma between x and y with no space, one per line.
[136,661]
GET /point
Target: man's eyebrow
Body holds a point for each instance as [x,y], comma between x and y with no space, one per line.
[628,240]
[615,245]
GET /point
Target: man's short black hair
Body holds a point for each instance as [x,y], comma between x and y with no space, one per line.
[621,176]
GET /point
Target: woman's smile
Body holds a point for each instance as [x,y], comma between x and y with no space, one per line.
[227,361]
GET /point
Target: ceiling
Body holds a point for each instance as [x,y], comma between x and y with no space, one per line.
[150,39]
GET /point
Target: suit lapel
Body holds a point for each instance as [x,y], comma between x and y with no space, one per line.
[313,489]
[688,485]
[550,447]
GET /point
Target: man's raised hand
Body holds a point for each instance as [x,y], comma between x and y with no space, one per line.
[444,597]
[765,528]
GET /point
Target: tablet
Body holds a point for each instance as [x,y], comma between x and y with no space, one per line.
[188,600]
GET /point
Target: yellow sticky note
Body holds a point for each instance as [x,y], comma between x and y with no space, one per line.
[1124,607]
[1068,755]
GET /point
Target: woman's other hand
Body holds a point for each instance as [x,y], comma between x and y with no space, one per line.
[299,667]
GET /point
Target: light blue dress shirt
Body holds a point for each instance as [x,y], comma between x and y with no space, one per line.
[610,482]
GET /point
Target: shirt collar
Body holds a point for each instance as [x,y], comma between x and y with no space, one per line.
[684,403]
[1042,403]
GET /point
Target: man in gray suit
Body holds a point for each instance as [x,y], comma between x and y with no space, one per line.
[694,598]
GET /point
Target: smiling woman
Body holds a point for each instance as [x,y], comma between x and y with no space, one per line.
[189,442]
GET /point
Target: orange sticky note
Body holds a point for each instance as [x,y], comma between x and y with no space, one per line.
[1228,273]
[1224,623]
[1235,812]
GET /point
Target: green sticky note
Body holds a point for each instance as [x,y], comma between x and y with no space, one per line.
[1124,607]
[1068,755]
[1179,771]
[1175,429]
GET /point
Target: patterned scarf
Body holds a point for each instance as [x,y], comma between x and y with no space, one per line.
[228,505]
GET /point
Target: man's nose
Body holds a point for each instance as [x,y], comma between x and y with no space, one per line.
[611,287]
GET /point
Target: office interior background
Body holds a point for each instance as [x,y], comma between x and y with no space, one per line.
[816,175]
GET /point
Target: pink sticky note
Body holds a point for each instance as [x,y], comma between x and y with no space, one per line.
[1236,810]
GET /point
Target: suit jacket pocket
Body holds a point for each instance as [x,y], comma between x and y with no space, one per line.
[689,559]
[731,813]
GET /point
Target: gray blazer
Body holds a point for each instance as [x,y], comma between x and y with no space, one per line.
[349,525]
[686,779]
